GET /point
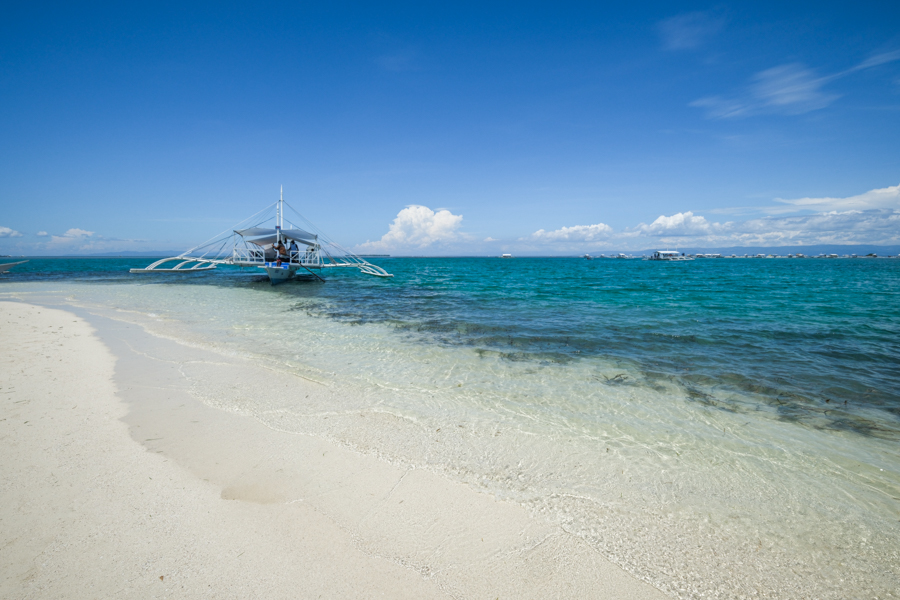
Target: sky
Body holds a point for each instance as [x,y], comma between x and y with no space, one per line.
[455,129]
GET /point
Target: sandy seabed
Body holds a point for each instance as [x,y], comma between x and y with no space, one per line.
[115,482]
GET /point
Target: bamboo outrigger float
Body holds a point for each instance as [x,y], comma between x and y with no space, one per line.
[281,252]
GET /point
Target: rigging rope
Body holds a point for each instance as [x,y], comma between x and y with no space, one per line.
[215,238]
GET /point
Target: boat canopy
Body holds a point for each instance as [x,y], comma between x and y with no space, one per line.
[267,237]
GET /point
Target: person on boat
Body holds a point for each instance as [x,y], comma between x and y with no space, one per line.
[295,251]
[282,252]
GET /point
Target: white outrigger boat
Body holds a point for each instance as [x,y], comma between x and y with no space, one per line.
[669,255]
[281,252]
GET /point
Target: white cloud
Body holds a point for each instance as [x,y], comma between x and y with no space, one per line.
[578,233]
[718,107]
[78,233]
[878,59]
[790,89]
[6,232]
[490,239]
[888,197]
[72,237]
[787,89]
[42,234]
[418,227]
[688,30]
[680,224]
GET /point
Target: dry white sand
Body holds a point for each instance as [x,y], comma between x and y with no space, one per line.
[116,482]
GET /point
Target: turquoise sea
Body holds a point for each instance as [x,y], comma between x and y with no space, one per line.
[723,427]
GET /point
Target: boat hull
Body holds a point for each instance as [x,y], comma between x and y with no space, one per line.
[280,273]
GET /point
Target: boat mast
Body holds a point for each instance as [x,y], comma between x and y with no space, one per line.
[279,217]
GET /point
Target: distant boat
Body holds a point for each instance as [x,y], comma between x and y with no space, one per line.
[669,255]
[588,256]
[6,267]
[620,255]
[506,256]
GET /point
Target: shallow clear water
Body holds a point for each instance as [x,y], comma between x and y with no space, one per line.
[720,427]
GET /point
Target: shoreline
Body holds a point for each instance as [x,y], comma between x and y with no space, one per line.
[244,510]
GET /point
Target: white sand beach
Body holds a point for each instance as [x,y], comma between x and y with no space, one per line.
[117,482]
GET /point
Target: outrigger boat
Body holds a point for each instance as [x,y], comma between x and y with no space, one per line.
[281,252]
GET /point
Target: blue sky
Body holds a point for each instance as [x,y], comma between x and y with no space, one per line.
[465,129]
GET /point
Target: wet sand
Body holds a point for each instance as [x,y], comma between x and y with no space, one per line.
[117,481]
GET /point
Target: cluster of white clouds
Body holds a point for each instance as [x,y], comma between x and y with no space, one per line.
[6,232]
[869,218]
[73,236]
[74,240]
[680,224]
[584,233]
[874,226]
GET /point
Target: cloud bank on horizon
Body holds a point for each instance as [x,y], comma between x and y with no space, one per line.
[73,241]
[871,218]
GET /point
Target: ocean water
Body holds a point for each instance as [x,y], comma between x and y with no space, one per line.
[723,427]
